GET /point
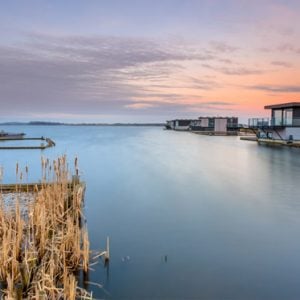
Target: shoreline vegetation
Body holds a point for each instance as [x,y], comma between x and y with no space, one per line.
[44,243]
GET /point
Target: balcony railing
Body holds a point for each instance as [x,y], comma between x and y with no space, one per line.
[286,122]
[273,122]
[259,122]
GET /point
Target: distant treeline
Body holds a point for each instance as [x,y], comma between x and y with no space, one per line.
[43,123]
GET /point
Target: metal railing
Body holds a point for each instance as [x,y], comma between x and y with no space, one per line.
[273,122]
[258,122]
[287,122]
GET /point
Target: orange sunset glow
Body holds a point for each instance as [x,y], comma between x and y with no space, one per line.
[151,63]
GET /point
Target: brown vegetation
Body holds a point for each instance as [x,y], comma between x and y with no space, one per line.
[41,249]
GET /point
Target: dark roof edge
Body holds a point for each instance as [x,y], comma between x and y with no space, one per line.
[283,105]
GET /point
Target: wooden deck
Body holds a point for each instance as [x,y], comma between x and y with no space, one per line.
[249,138]
[295,144]
[35,187]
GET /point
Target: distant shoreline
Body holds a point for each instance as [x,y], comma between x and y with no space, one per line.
[38,123]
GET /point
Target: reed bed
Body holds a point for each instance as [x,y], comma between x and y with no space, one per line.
[43,245]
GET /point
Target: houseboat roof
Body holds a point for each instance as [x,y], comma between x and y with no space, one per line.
[180,120]
[283,105]
[216,117]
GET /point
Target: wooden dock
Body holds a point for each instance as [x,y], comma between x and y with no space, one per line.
[249,138]
[35,187]
[295,144]
[19,138]
[49,143]
[264,141]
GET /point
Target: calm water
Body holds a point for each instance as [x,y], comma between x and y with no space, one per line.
[225,212]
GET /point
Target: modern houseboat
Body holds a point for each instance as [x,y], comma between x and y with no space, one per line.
[206,125]
[179,124]
[215,125]
[283,125]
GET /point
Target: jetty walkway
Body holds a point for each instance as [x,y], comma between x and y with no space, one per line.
[49,143]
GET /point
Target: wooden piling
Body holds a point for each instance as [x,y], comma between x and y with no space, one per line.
[107,254]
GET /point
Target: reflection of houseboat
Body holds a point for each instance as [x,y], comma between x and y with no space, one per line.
[7,135]
[283,125]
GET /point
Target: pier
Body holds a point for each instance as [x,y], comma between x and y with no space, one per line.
[249,138]
[35,187]
[274,142]
[42,146]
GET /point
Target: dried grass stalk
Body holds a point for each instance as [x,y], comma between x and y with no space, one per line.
[41,251]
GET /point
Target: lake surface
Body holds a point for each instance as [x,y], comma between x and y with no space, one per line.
[225,212]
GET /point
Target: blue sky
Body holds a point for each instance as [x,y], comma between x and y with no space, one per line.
[146,61]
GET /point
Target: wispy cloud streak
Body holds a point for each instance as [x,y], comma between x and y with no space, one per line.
[277,88]
[108,74]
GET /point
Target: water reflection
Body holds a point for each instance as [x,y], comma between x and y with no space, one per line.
[224,212]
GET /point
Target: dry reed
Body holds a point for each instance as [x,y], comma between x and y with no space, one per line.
[41,250]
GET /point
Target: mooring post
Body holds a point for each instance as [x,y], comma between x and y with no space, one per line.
[107,255]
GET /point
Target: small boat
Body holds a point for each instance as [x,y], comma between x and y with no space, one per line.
[7,135]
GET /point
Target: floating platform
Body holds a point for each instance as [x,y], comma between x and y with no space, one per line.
[19,138]
[249,138]
[49,143]
[265,141]
[34,187]
[295,144]
[216,133]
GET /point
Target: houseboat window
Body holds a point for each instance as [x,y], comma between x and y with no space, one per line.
[288,116]
[211,122]
[277,117]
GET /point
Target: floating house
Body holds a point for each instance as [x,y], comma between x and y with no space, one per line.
[179,124]
[215,125]
[206,125]
[284,123]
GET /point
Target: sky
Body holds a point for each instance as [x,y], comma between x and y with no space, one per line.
[146,60]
